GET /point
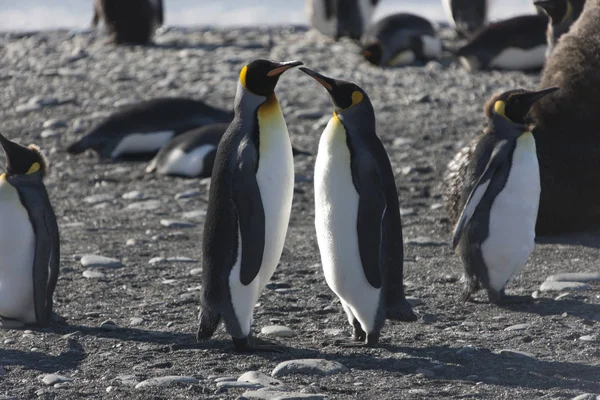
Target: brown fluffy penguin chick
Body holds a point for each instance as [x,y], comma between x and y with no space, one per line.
[130,21]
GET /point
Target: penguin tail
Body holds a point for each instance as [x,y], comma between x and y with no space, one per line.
[78,147]
[209,322]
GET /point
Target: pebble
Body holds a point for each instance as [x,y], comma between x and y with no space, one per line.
[225,379]
[548,286]
[235,385]
[196,271]
[11,324]
[49,133]
[188,194]
[127,380]
[93,260]
[333,331]
[91,274]
[260,378]
[166,381]
[588,338]
[28,107]
[132,242]
[54,124]
[99,198]
[146,205]
[277,331]
[278,395]
[136,321]
[414,301]
[309,366]
[108,325]
[9,341]
[585,396]
[517,327]
[575,277]
[515,353]
[194,214]
[405,212]
[133,195]
[52,379]
[172,223]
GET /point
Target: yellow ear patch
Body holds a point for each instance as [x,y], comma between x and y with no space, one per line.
[568,12]
[243,76]
[3,177]
[35,167]
[357,97]
[500,108]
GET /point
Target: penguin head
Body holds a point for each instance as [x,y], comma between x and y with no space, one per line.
[260,76]
[21,160]
[514,105]
[373,53]
[344,95]
[557,10]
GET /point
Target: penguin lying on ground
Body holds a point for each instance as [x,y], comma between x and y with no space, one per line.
[401,39]
[495,232]
[466,16]
[339,18]
[357,215]
[517,43]
[143,128]
[29,238]
[130,21]
[249,206]
[561,14]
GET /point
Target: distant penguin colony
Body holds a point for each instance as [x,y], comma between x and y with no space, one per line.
[143,128]
[466,16]
[29,238]
[341,18]
[401,39]
[131,21]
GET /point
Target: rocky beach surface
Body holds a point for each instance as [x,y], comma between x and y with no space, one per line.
[130,269]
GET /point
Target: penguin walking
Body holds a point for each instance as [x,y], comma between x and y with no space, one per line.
[495,232]
[29,237]
[357,215]
[249,205]
[401,39]
[561,14]
[143,128]
[517,43]
[340,18]
[466,16]
[131,21]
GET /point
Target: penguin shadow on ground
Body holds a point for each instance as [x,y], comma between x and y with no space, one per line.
[509,370]
[69,358]
[586,239]
[548,306]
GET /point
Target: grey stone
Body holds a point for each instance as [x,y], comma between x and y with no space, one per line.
[225,379]
[11,324]
[333,331]
[309,366]
[549,286]
[146,205]
[172,223]
[9,341]
[194,215]
[585,396]
[517,327]
[127,380]
[27,107]
[93,260]
[188,194]
[43,101]
[54,124]
[575,277]
[588,338]
[99,198]
[49,133]
[133,195]
[195,271]
[52,379]
[277,331]
[260,378]
[516,353]
[236,385]
[405,212]
[91,274]
[414,301]
[108,325]
[167,380]
[136,321]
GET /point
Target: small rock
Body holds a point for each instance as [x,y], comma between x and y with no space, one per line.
[194,214]
[49,133]
[277,331]
[167,380]
[136,321]
[575,277]
[548,286]
[99,198]
[401,141]
[188,194]
[93,260]
[54,124]
[428,318]
[436,206]
[127,380]
[11,324]
[133,195]
[91,274]
[171,223]
[157,260]
[225,379]
[405,212]
[9,341]
[309,367]
[146,205]
[588,338]
[260,378]
[515,353]
[585,396]
[52,379]
[195,271]
[108,325]
[28,107]
[235,385]
[132,242]
[518,327]
[414,301]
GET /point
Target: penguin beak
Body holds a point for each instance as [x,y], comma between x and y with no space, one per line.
[281,67]
[326,82]
[530,98]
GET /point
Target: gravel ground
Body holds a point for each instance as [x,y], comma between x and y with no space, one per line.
[130,330]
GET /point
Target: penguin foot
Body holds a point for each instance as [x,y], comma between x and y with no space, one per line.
[371,341]
[358,334]
[243,346]
[401,312]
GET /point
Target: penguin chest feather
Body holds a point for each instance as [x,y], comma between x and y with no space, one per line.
[336,215]
[142,143]
[17,244]
[516,58]
[512,216]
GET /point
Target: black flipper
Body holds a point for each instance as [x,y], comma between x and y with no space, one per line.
[250,213]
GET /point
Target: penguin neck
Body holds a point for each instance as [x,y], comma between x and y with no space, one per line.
[504,127]
[246,102]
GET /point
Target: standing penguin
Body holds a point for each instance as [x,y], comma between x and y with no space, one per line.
[338,18]
[517,43]
[561,14]
[131,21]
[401,39]
[495,232]
[29,238]
[249,205]
[466,16]
[357,215]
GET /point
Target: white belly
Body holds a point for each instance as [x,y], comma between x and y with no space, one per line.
[187,164]
[275,177]
[514,58]
[513,216]
[404,57]
[136,143]
[17,244]
[336,214]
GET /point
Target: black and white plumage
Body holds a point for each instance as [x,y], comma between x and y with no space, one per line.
[143,128]
[561,14]
[466,16]
[341,18]
[400,39]
[131,21]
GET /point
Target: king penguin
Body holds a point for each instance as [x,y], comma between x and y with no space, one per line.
[561,14]
[249,205]
[29,237]
[566,130]
[466,16]
[495,232]
[400,39]
[340,18]
[517,43]
[357,214]
[143,128]
[129,22]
